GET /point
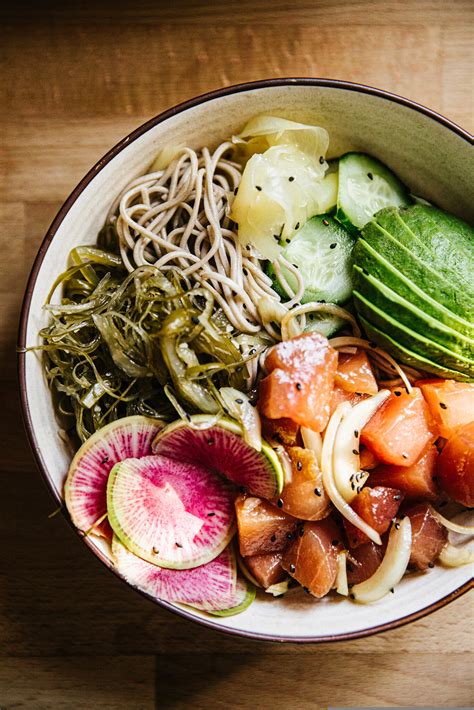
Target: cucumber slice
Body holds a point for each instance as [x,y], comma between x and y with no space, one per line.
[366,186]
[321,250]
[325,324]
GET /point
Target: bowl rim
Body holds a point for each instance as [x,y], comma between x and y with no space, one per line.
[25,311]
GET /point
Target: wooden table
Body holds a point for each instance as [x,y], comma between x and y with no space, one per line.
[73,83]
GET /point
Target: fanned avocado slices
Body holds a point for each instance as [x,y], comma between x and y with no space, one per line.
[413,275]
[408,314]
[373,263]
[417,343]
[455,296]
[407,357]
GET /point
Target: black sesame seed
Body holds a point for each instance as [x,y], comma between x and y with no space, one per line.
[397,497]
[431,565]
[317,492]
[298,386]
[326,223]
[443,405]
[209,515]
[178,544]
[297,225]
[292,569]
[287,241]
[245,272]
[195,320]
[291,178]
[210,442]
[405,456]
[104,460]
[236,190]
[364,271]
[239,400]
[370,176]
[290,536]
[296,266]
[359,394]
[280,503]
[355,452]
[353,485]
[392,590]
[252,351]
[257,187]
[397,393]
[356,433]
[155,551]
[299,465]
[273,538]
[333,245]
[397,526]
[321,160]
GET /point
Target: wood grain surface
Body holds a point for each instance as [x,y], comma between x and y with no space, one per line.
[76,77]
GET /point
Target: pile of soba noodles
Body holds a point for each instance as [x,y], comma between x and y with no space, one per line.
[173,302]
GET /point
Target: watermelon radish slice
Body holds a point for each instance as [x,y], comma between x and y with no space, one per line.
[241,599]
[222,449]
[212,587]
[174,514]
[85,490]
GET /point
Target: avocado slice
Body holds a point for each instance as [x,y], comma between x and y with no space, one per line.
[418,344]
[439,239]
[404,355]
[373,263]
[458,299]
[406,313]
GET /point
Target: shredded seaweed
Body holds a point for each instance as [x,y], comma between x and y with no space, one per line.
[142,343]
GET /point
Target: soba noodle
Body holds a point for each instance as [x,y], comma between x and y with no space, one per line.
[178,217]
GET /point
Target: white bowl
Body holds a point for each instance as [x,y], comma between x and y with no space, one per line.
[429,153]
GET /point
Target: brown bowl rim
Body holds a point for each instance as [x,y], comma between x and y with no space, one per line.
[180,108]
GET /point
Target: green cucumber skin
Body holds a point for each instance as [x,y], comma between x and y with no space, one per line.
[368,259]
[457,300]
[441,242]
[407,338]
[389,302]
[354,163]
[405,356]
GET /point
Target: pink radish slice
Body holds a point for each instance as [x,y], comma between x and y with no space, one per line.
[85,490]
[173,514]
[208,587]
[221,448]
[212,587]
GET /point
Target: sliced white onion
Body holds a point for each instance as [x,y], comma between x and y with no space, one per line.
[239,407]
[451,525]
[313,441]
[452,556]
[342,586]
[328,476]
[271,310]
[392,567]
[278,589]
[348,477]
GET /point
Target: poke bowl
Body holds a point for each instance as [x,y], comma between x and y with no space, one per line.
[245,360]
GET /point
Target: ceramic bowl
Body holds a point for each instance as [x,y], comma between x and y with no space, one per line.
[428,152]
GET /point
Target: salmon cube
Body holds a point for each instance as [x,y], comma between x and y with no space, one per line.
[262,527]
[401,429]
